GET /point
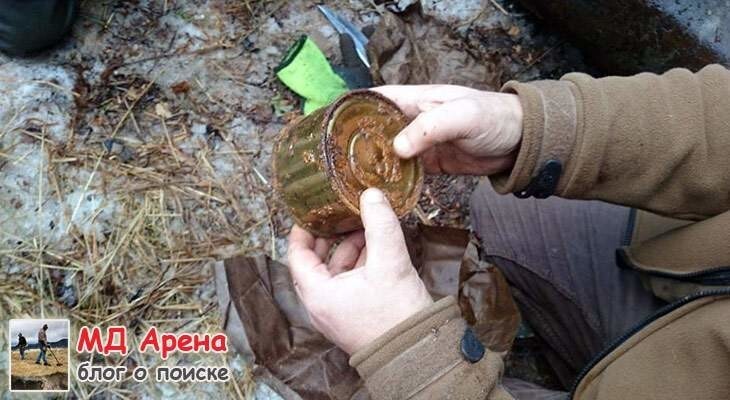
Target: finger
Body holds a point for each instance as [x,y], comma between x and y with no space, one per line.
[362,260]
[448,158]
[322,247]
[450,121]
[301,236]
[414,99]
[306,267]
[384,239]
[347,253]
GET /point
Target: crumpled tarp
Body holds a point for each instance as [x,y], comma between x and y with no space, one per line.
[410,48]
[266,322]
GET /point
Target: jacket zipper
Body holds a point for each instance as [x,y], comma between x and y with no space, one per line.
[631,332]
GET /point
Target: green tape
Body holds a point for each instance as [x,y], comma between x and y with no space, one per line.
[306,71]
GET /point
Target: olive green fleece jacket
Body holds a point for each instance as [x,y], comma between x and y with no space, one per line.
[660,143]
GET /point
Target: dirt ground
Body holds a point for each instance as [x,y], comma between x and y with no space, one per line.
[27,375]
[138,152]
[28,367]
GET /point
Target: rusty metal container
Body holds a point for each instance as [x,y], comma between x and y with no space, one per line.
[324,161]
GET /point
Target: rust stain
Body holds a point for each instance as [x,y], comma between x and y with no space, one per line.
[335,153]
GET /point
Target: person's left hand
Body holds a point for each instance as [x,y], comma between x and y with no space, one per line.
[369,284]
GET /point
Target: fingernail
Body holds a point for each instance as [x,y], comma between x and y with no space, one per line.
[402,146]
[372,196]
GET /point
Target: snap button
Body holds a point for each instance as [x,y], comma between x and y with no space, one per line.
[544,184]
[471,348]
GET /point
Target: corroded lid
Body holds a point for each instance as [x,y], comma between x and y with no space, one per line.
[359,151]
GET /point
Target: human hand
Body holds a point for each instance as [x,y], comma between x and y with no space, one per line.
[369,284]
[458,130]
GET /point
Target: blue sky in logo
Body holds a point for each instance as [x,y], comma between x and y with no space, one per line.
[57,330]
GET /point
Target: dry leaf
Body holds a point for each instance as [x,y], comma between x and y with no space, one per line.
[134,93]
[163,110]
[413,49]
[180,87]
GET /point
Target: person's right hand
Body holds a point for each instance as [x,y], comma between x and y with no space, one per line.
[366,286]
[458,130]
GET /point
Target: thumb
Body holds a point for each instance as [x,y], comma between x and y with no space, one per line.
[386,246]
[449,121]
[306,267]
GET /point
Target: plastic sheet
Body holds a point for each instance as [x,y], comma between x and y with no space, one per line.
[266,322]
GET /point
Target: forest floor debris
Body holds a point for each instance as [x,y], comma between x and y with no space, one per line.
[138,152]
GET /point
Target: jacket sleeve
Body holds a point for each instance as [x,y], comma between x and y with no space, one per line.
[656,142]
[421,358]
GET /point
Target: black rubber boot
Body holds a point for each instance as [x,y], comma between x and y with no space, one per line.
[28,26]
